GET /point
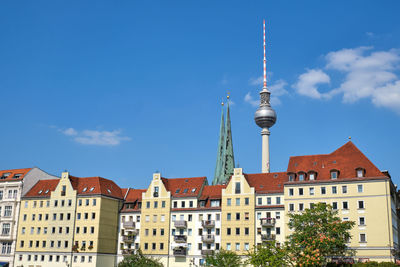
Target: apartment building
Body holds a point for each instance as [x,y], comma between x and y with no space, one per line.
[13,184]
[357,189]
[69,222]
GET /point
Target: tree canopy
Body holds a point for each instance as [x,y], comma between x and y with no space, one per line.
[268,254]
[224,258]
[139,260]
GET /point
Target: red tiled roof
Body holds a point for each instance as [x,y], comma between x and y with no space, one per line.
[12,173]
[265,183]
[212,192]
[345,159]
[84,186]
[134,195]
[174,184]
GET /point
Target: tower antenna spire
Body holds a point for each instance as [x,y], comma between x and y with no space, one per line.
[265,59]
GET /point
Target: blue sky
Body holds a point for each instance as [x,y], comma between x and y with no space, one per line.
[120,89]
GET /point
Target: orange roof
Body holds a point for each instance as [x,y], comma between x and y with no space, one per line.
[212,192]
[84,186]
[184,187]
[345,159]
[134,195]
[13,175]
[264,183]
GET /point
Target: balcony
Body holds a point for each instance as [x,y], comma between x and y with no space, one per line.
[268,237]
[180,238]
[128,238]
[180,224]
[268,222]
[180,252]
[208,223]
[207,238]
[129,224]
[206,252]
[127,251]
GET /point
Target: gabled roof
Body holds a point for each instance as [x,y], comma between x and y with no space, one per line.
[84,186]
[188,187]
[345,159]
[212,192]
[134,195]
[14,174]
[265,183]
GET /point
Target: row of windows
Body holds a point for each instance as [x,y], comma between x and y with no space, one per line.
[60,216]
[237,216]
[174,217]
[55,258]
[268,215]
[61,203]
[237,231]
[269,201]
[334,190]
[53,244]
[237,201]
[61,230]
[237,246]
[12,194]
[312,175]
[345,205]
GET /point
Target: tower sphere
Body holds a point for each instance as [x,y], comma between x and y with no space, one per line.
[265,116]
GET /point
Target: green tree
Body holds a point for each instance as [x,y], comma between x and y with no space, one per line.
[224,258]
[139,260]
[268,254]
[317,234]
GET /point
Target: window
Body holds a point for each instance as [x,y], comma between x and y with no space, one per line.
[237,188]
[237,246]
[94,202]
[237,201]
[334,175]
[363,238]
[345,205]
[344,189]
[323,190]
[361,221]
[246,201]
[182,204]
[175,203]
[237,216]
[147,204]
[259,201]
[155,204]
[301,206]
[246,246]
[163,204]
[7,211]
[237,231]
[311,176]
[311,191]
[228,216]
[228,231]
[277,215]
[269,201]
[301,191]
[334,205]
[360,172]
[228,201]
[361,204]
[301,177]
[246,216]
[291,191]
[191,204]
[54,216]
[360,188]
[5,229]
[291,177]
[291,207]
[334,190]
[278,200]
[228,246]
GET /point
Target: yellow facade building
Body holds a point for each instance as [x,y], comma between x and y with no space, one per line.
[69,222]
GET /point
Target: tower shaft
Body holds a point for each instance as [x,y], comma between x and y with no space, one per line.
[265,151]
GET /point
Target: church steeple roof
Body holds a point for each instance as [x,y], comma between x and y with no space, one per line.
[225,157]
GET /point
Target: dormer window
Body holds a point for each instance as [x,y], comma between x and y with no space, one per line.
[291,177]
[334,174]
[84,189]
[185,190]
[17,175]
[311,176]
[177,191]
[360,172]
[193,190]
[5,175]
[302,176]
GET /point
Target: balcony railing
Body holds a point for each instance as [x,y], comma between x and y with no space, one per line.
[268,222]
[181,252]
[129,224]
[127,251]
[208,223]
[267,237]
[207,238]
[128,238]
[180,238]
[206,252]
[180,224]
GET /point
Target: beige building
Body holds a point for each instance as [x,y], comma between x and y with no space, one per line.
[69,222]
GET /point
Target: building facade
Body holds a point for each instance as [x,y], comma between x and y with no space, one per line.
[14,184]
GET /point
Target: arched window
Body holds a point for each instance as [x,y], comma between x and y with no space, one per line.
[334,174]
[312,175]
[302,176]
[360,172]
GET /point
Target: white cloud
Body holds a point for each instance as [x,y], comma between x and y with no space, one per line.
[307,83]
[256,81]
[94,137]
[249,99]
[365,74]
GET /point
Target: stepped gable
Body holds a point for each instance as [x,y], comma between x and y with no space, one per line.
[84,186]
[188,187]
[345,159]
[266,183]
[14,174]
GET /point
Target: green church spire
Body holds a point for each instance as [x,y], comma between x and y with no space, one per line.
[225,159]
